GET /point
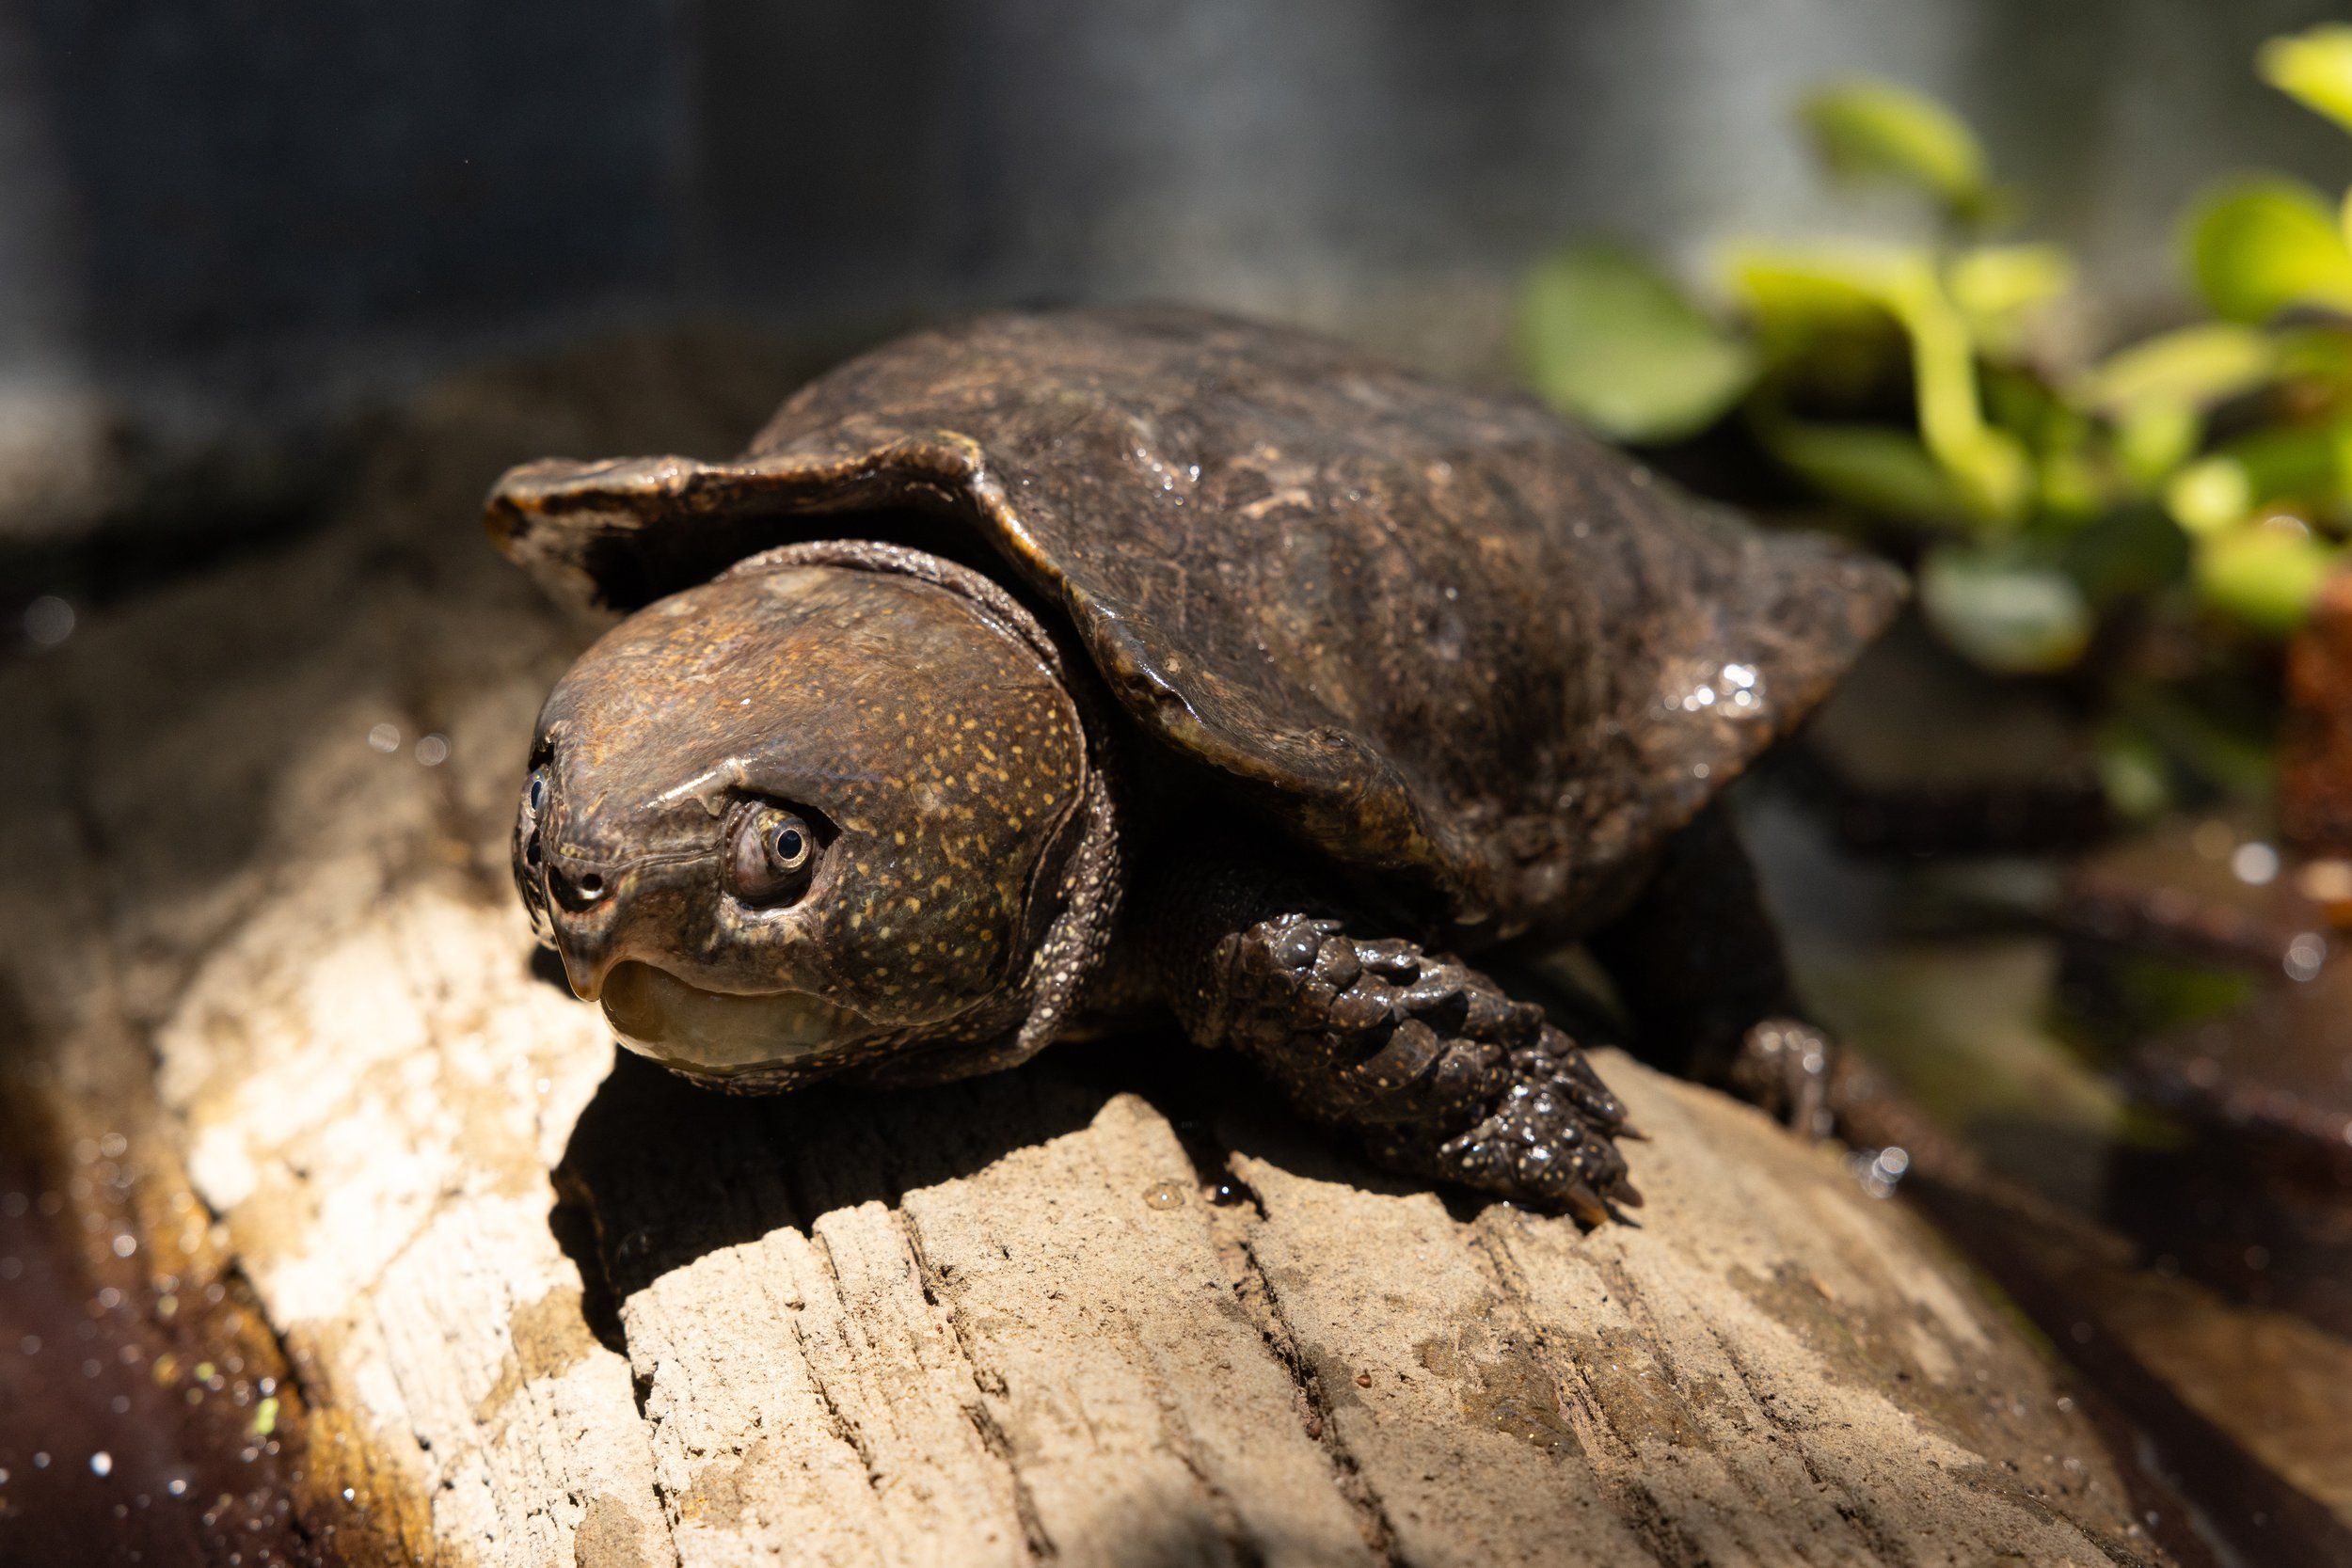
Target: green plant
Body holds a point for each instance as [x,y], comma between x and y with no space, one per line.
[2203,474]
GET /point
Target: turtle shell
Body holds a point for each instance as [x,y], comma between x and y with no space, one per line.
[1432,633]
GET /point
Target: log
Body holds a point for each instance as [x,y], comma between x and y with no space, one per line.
[539,1306]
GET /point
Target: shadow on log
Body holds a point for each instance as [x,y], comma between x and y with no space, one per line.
[1112,1307]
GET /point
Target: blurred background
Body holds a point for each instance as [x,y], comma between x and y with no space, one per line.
[228,232]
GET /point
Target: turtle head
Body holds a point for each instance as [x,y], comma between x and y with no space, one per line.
[807,814]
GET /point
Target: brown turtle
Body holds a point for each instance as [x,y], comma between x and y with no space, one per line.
[1055,665]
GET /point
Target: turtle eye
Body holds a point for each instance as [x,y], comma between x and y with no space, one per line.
[529,860]
[771,855]
[535,805]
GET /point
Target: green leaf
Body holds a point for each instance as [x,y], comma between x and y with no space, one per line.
[1999,287]
[2209,494]
[2314,68]
[1880,470]
[1818,303]
[1989,464]
[1606,339]
[1880,130]
[2263,576]
[2151,441]
[2193,368]
[2296,464]
[2259,245]
[2002,610]
[1808,289]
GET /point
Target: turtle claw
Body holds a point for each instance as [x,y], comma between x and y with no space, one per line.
[1442,1073]
[1784,1066]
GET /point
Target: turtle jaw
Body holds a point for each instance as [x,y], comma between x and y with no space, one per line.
[713,1034]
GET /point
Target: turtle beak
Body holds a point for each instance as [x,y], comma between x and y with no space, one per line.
[587,905]
[582,911]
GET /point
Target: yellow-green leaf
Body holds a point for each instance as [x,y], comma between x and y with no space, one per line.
[1605,338]
[1880,470]
[1999,287]
[1797,299]
[2257,246]
[2192,368]
[2314,68]
[2155,438]
[1868,129]
[2210,494]
[1798,293]
[2264,576]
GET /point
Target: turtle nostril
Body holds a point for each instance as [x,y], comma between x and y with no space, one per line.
[574,893]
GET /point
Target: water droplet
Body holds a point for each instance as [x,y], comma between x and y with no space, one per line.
[48,621]
[1164,1195]
[2305,956]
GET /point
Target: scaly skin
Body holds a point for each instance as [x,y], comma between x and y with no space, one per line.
[1439,1071]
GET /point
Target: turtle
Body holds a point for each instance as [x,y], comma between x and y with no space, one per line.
[1038,670]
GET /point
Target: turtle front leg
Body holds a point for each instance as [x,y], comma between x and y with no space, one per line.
[1698,963]
[1439,1071]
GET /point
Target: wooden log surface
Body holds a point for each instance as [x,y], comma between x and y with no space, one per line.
[549,1309]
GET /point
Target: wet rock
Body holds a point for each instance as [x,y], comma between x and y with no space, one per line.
[2212,888]
[2277,1071]
[2254,1195]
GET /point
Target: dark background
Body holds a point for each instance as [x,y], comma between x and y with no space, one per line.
[227,228]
